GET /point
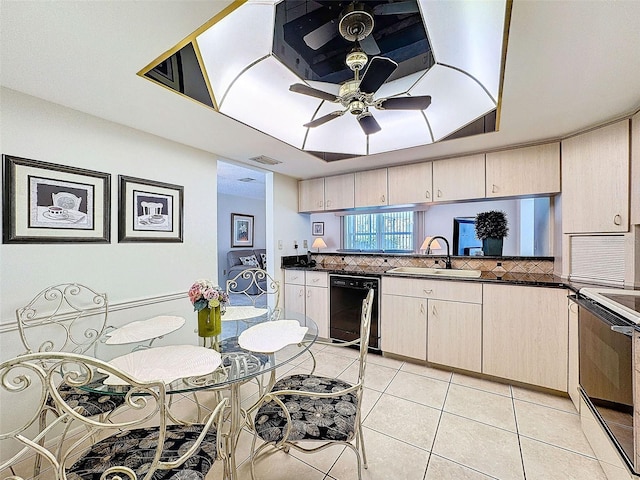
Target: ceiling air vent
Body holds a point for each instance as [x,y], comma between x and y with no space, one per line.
[247,179]
[265,160]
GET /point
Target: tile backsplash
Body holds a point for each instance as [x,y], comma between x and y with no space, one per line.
[536,265]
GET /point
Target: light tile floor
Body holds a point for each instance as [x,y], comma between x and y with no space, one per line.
[422,423]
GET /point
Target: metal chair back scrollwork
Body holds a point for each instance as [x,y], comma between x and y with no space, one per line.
[68,317]
[256,287]
[128,448]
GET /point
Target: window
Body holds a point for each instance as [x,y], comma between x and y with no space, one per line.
[379,231]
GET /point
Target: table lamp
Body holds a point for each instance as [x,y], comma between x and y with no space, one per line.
[425,245]
[319,243]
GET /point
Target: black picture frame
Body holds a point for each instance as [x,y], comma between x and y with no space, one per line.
[149,211]
[317,229]
[241,230]
[50,203]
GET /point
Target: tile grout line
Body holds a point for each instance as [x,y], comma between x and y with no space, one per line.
[435,433]
[515,418]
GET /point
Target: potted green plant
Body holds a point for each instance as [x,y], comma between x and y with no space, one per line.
[491,228]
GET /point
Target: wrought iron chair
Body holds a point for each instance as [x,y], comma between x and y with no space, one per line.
[307,407]
[71,318]
[128,447]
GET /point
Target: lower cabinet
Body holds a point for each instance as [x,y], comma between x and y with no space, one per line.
[525,334]
[308,293]
[454,334]
[403,328]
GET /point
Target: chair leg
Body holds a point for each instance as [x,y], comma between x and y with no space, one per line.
[360,440]
[38,461]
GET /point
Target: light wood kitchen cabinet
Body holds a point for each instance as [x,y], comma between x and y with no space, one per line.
[308,293]
[459,178]
[403,328]
[454,334]
[574,356]
[524,171]
[595,180]
[635,169]
[410,305]
[410,183]
[525,334]
[371,188]
[311,195]
[339,192]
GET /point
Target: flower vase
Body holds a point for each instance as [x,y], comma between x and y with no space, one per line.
[209,322]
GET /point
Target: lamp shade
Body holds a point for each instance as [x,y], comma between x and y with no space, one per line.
[319,243]
[434,246]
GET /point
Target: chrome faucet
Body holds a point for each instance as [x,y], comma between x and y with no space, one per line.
[447,262]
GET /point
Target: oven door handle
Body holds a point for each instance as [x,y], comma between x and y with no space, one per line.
[628,331]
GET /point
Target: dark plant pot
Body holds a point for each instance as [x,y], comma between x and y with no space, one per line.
[492,247]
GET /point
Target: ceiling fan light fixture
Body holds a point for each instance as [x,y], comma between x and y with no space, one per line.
[357,107]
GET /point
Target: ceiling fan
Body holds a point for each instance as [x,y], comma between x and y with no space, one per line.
[355,23]
[357,95]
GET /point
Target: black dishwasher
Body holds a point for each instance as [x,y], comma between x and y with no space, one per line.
[346,293]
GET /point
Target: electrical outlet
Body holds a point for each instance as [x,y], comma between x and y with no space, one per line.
[279,244]
[295,244]
[305,244]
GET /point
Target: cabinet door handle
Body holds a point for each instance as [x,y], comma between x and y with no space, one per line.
[494,189]
[422,308]
[308,293]
[315,280]
[428,194]
[617,220]
[433,310]
[328,203]
[320,202]
[382,199]
[573,308]
[428,292]
[439,193]
[301,293]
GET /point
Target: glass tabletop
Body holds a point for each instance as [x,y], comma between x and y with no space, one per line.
[234,364]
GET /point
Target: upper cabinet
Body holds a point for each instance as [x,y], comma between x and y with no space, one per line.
[339,192]
[410,183]
[595,180]
[311,195]
[524,171]
[371,188]
[459,178]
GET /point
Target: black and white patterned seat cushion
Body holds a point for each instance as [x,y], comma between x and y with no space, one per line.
[249,261]
[89,403]
[136,448]
[313,418]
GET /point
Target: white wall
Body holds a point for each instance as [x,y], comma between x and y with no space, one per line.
[40,130]
[228,204]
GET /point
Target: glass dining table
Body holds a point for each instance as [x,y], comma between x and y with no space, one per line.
[252,346]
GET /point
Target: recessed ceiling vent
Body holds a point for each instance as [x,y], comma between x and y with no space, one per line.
[247,179]
[265,160]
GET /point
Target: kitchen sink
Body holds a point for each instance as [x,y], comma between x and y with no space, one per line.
[436,272]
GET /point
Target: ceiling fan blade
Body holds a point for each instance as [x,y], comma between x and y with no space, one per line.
[312,92]
[396,8]
[378,71]
[321,35]
[368,124]
[405,103]
[369,45]
[324,119]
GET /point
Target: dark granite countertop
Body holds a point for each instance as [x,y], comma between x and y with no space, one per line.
[508,278]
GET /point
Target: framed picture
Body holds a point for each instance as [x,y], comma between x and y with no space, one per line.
[49,203]
[241,230]
[149,211]
[317,229]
